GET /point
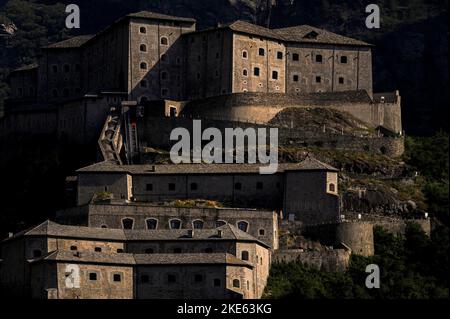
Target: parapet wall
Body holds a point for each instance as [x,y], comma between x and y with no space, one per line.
[155,132]
[336,260]
[262,107]
[358,236]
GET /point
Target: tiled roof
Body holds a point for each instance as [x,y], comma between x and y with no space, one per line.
[309,34]
[158,16]
[74,42]
[107,167]
[297,34]
[311,163]
[26,67]
[143,259]
[49,228]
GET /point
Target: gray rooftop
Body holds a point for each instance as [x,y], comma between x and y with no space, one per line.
[52,229]
[144,259]
[71,43]
[106,167]
[159,16]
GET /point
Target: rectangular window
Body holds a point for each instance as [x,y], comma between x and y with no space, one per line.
[319,58]
[280,55]
[92,276]
[295,78]
[117,277]
[295,57]
[318,79]
[256,71]
[343,59]
[341,80]
[171,186]
[274,75]
[149,187]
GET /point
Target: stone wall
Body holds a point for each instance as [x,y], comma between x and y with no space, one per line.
[336,260]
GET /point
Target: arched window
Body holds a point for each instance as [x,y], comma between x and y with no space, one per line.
[143,66]
[164,58]
[103,226]
[142,30]
[143,48]
[261,51]
[332,187]
[242,225]
[244,54]
[175,224]
[220,223]
[197,224]
[236,283]
[152,223]
[127,223]
[244,72]
[164,75]
[164,41]
[262,232]
[244,255]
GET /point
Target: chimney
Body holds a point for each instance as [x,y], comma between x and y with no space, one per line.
[190,233]
[219,233]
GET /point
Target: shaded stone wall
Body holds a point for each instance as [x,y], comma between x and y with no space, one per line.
[336,260]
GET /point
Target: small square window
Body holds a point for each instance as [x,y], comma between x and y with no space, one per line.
[295,78]
[343,59]
[171,186]
[319,58]
[280,55]
[117,277]
[73,248]
[98,249]
[341,80]
[259,185]
[295,57]
[198,278]
[92,276]
[261,51]
[149,187]
[238,186]
[318,79]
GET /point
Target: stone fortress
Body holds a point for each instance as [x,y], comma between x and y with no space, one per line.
[132,233]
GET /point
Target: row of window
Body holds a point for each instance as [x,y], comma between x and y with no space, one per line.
[195,186]
[175,223]
[66,68]
[262,52]
[295,56]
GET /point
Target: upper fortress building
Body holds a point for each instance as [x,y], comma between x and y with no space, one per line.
[157,56]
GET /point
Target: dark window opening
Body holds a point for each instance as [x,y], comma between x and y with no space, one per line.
[197,224]
[143,66]
[127,223]
[341,80]
[280,55]
[119,250]
[164,41]
[171,186]
[143,30]
[236,283]
[149,187]
[117,277]
[274,75]
[259,185]
[262,232]
[318,79]
[256,71]
[143,48]
[261,51]
[244,72]
[243,225]
[237,186]
[92,276]
[244,54]
[175,224]
[73,248]
[37,253]
[151,223]
[164,76]
[295,57]
[171,279]
[295,78]
[319,58]
[177,250]
[98,249]
[244,255]
[194,186]
[208,250]
[343,59]
[332,188]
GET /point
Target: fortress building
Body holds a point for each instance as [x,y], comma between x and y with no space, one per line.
[158,57]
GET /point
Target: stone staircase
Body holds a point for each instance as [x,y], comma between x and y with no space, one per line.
[110,140]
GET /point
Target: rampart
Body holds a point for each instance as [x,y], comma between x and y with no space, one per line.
[335,260]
